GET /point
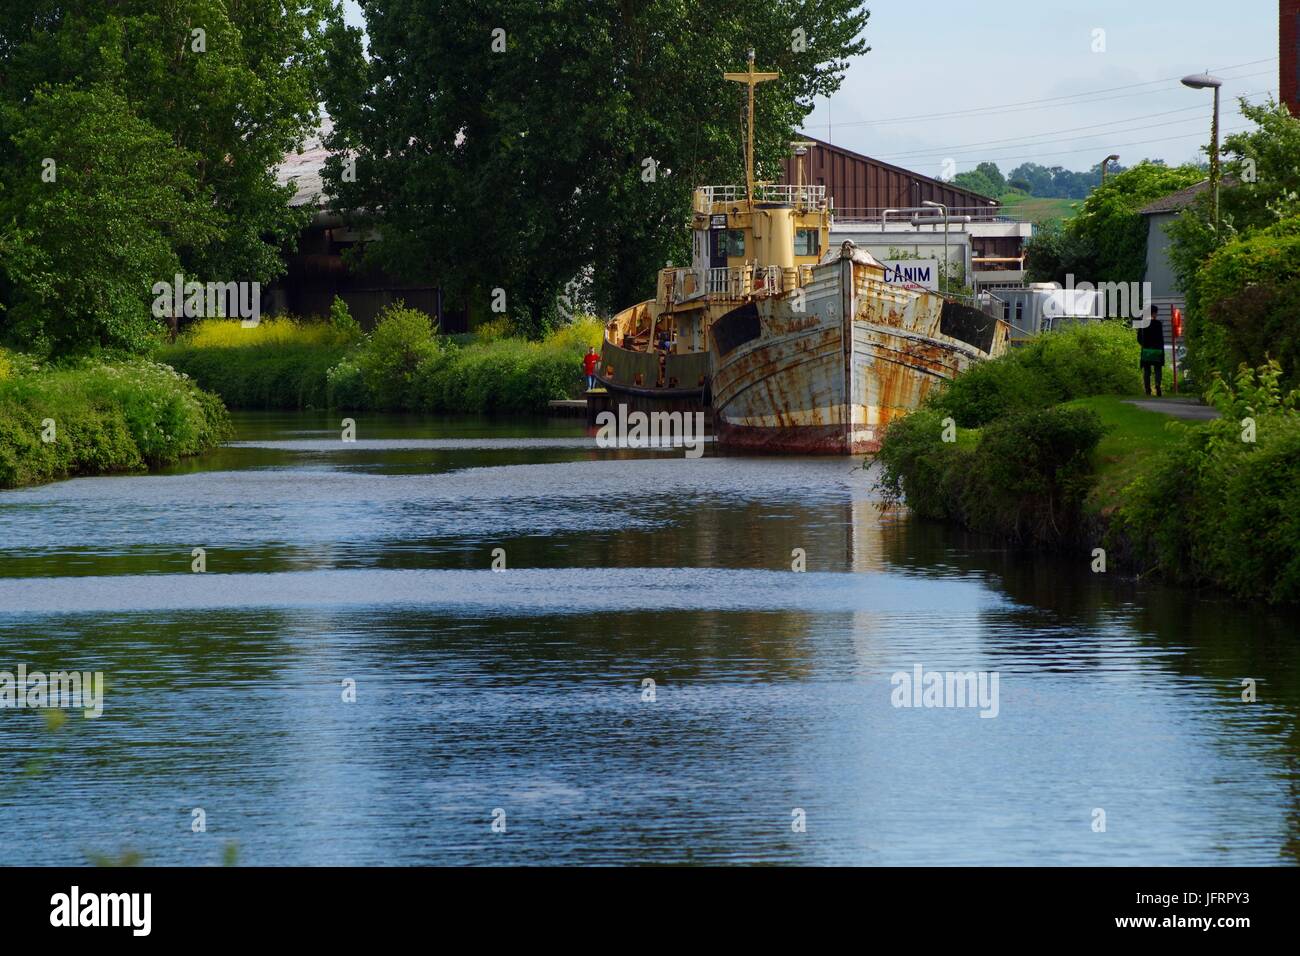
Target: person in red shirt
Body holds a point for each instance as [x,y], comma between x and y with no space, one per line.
[589,363]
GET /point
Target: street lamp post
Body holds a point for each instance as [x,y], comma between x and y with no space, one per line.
[939,205]
[1203,81]
[1112,158]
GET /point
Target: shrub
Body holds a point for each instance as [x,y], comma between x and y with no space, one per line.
[341,320]
[1023,477]
[494,331]
[345,386]
[917,465]
[389,357]
[280,363]
[1095,358]
[1029,475]
[400,366]
[1245,304]
[507,375]
[278,332]
[107,416]
[1222,510]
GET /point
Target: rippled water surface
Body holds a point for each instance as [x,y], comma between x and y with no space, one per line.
[525,691]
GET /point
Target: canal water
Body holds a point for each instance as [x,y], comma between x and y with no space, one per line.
[646,682]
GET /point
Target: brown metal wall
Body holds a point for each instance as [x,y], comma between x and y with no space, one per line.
[858,182]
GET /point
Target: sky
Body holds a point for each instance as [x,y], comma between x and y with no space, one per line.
[951,83]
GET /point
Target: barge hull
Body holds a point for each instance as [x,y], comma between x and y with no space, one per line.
[826,375]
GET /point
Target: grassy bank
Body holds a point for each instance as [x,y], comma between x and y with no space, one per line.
[402,365]
[1053,457]
[93,417]
[1220,504]
[279,363]
[1132,437]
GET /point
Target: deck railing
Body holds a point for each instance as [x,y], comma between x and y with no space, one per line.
[806,196]
[680,285]
[730,283]
[880,216]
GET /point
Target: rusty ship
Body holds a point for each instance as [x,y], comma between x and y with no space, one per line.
[794,346]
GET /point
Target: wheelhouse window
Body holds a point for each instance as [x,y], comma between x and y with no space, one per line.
[733,242]
[806,242]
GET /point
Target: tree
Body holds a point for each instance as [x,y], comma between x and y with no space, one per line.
[1109,222]
[1106,241]
[104,206]
[511,145]
[229,88]
[985,179]
[1261,194]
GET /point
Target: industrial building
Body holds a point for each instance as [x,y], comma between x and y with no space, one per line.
[881,207]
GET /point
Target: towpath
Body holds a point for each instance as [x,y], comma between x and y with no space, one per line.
[1188,408]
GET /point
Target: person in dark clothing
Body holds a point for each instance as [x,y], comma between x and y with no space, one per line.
[1152,339]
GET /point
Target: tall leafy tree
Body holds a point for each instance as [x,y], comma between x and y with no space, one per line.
[228,86]
[1107,240]
[104,206]
[1260,196]
[513,144]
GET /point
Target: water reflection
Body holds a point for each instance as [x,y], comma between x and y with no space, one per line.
[525,690]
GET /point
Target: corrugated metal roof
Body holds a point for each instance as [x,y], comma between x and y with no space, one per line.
[974,198]
[304,169]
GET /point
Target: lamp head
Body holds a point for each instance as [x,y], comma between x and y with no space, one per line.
[1202,81]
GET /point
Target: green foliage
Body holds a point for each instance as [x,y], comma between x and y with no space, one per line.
[400,366]
[491,375]
[1095,358]
[1246,303]
[1221,509]
[1054,182]
[1024,478]
[494,331]
[1260,197]
[389,357]
[520,169]
[279,363]
[986,179]
[1107,240]
[1053,252]
[166,143]
[107,416]
[508,376]
[1021,466]
[82,252]
[340,318]
[1034,181]
[917,465]
[1263,168]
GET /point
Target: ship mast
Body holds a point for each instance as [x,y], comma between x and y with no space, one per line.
[750,79]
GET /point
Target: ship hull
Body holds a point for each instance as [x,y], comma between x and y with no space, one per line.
[825,373]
